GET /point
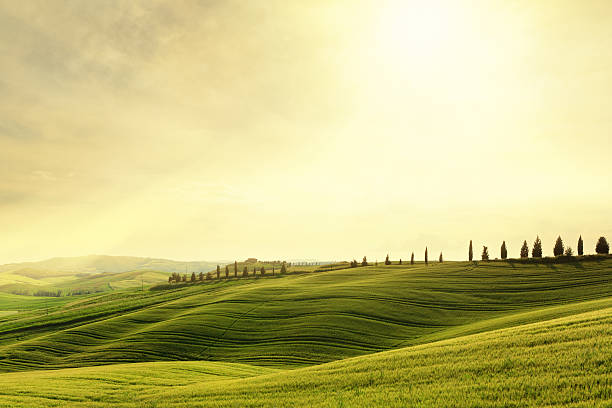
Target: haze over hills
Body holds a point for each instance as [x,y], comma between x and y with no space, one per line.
[92,273]
[104,263]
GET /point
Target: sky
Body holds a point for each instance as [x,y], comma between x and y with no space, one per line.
[319,129]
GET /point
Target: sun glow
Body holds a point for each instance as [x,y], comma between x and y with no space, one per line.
[414,29]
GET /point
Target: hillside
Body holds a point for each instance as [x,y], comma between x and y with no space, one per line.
[556,363]
[90,274]
[303,318]
[100,264]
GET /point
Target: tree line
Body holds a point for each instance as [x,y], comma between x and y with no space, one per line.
[178,278]
[602,247]
[559,249]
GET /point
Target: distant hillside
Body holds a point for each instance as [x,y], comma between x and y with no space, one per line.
[89,274]
[100,264]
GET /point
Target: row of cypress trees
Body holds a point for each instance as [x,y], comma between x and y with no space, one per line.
[559,249]
[175,277]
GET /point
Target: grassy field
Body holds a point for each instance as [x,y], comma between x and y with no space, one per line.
[308,318]
[562,362]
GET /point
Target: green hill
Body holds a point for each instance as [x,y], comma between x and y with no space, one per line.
[90,274]
[302,318]
[563,362]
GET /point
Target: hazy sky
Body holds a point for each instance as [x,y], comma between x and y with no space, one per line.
[287,129]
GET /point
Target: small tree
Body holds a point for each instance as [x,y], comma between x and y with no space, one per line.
[558,249]
[226,271]
[440,259]
[602,246]
[255,271]
[364,262]
[580,246]
[235,269]
[524,250]
[201,276]
[412,259]
[170,279]
[208,276]
[284,268]
[218,272]
[426,256]
[193,277]
[569,252]
[184,279]
[400,261]
[245,271]
[504,251]
[262,271]
[536,252]
[387,261]
[272,269]
[485,253]
[470,252]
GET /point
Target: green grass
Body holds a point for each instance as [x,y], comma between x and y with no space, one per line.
[301,319]
[564,362]
[456,319]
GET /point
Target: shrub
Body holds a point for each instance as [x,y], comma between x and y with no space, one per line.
[602,246]
[485,253]
[524,250]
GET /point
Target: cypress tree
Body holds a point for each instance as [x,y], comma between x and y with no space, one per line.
[524,250]
[284,268]
[193,278]
[272,269]
[218,272]
[440,259]
[485,253]
[504,251]
[387,261]
[364,262]
[412,259]
[470,252]
[580,246]
[184,279]
[245,271]
[425,255]
[558,249]
[262,271]
[208,276]
[170,279]
[235,269]
[536,252]
[226,271]
[400,261]
[201,277]
[602,246]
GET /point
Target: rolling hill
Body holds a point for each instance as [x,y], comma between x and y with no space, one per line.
[89,274]
[329,330]
[300,319]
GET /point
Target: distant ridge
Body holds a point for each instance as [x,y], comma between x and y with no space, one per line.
[92,264]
